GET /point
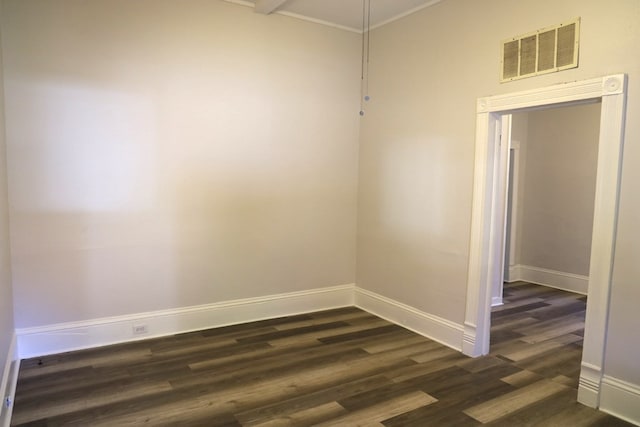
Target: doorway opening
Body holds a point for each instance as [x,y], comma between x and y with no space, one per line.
[489,212]
[552,163]
[537,318]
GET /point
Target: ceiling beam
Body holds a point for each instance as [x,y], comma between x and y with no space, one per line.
[268,6]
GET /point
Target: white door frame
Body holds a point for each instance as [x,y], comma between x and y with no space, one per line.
[501,186]
[487,223]
[514,190]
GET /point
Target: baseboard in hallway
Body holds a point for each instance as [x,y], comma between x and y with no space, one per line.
[556,279]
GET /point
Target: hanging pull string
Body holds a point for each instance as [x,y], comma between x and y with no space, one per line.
[366,92]
[362,59]
[364,70]
[363,40]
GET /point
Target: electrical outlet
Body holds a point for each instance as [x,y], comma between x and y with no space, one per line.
[8,402]
[140,329]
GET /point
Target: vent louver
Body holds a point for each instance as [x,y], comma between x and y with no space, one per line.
[544,51]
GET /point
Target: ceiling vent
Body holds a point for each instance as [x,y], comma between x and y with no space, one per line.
[544,51]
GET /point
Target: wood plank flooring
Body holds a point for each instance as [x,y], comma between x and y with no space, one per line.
[340,367]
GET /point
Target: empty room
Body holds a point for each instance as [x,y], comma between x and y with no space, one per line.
[301,212]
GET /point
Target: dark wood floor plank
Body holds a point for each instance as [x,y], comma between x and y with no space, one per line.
[377,413]
[84,398]
[293,332]
[314,336]
[508,311]
[360,334]
[104,359]
[303,401]
[374,396]
[453,397]
[539,412]
[420,370]
[506,404]
[308,417]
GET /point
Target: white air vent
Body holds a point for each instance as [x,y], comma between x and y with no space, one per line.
[544,51]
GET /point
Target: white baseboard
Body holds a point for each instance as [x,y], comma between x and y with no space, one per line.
[513,274]
[589,385]
[496,301]
[555,279]
[9,382]
[470,344]
[58,338]
[620,399]
[430,326]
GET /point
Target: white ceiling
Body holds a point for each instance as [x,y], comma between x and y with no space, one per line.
[345,14]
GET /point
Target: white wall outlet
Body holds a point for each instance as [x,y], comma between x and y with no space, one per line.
[140,329]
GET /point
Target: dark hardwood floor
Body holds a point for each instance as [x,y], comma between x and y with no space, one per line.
[341,367]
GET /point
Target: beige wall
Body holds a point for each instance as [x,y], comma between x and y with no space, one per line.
[417,148]
[173,153]
[557,184]
[6,298]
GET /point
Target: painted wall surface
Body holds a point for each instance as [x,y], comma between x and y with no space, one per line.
[417,148]
[6,297]
[558,188]
[171,153]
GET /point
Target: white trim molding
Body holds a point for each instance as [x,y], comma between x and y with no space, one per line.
[620,399]
[589,384]
[8,382]
[487,216]
[554,279]
[58,338]
[406,13]
[302,17]
[513,187]
[299,16]
[433,327]
[267,6]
